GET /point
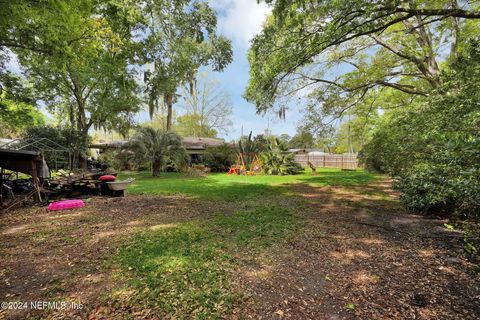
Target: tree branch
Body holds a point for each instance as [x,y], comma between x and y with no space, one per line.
[404,88]
[452,12]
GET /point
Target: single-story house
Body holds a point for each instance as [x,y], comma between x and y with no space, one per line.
[195,146]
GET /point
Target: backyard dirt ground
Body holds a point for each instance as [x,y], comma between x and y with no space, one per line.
[359,256]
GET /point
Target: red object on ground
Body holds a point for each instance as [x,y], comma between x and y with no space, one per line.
[107,177]
[66,204]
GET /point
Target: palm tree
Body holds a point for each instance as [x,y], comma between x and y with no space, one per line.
[157,148]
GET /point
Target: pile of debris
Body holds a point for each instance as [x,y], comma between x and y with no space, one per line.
[40,187]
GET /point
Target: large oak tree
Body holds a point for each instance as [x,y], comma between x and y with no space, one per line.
[340,54]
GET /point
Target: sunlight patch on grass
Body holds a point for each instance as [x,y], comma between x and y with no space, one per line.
[233,187]
[163,226]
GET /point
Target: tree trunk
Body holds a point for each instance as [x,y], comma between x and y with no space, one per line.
[156,168]
[82,125]
[83,128]
[169,111]
[455,31]
[82,158]
[71,115]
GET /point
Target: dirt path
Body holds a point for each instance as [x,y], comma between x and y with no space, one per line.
[363,257]
[50,256]
[360,256]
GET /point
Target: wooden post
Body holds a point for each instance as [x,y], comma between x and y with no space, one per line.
[35,181]
[1,186]
[314,170]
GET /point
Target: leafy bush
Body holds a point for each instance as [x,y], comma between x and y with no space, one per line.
[276,160]
[116,159]
[429,189]
[68,138]
[432,147]
[18,110]
[219,159]
[447,183]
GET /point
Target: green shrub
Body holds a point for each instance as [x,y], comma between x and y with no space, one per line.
[116,159]
[219,159]
[427,189]
[441,190]
[432,147]
[276,160]
[57,137]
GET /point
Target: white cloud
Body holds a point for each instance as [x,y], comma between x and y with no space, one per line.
[240,20]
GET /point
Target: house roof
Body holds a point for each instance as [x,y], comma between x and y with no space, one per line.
[296,150]
[107,144]
[199,143]
[190,143]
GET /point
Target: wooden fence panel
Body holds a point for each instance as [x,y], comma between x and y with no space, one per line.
[328,160]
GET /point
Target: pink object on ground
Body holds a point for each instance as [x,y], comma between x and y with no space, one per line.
[66,204]
[107,177]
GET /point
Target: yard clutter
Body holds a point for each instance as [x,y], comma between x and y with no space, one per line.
[107,177]
[65,204]
[115,188]
[18,190]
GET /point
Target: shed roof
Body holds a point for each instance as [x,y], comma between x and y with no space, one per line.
[8,154]
[22,161]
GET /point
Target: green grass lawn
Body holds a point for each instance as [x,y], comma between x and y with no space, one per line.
[188,270]
[232,187]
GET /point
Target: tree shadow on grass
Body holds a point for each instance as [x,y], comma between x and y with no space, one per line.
[230,188]
[204,188]
[370,256]
[80,241]
[184,249]
[340,178]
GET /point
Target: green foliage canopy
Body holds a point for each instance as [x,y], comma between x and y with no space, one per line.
[432,147]
[182,37]
[86,81]
[84,56]
[17,107]
[339,54]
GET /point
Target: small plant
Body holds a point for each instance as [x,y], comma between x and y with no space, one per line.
[193,172]
[448,226]
[471,244]
[350,306]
